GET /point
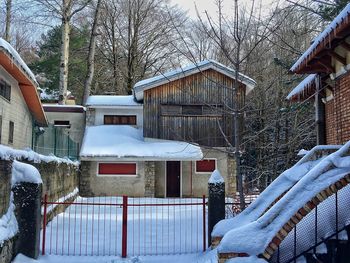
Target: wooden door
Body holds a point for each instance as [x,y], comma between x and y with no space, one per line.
[173,173]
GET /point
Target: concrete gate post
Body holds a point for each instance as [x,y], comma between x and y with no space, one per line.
[27,199]
[216,201]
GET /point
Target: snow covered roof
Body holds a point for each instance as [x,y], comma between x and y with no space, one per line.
[327,35]
[4,45]
[106,100]
[150,83]
[11,61]
[126,142]
[277,188]
[253,238]
[305,84]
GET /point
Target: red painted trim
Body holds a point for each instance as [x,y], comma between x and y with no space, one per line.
[64,109]
[117,168]
[204,166]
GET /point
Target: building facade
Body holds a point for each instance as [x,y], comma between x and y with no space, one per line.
[168,137]
[20,106]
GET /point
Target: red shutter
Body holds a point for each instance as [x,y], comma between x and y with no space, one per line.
[205,166]
[117,168]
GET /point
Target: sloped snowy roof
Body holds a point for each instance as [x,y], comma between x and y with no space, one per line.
[106,100]
[126,142]
[150,83]
[306,83]
[254,237]
[13,53]
[343,16]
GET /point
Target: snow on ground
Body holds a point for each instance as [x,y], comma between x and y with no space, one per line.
[254,237]
[208,257]
[124,141]
[152,230]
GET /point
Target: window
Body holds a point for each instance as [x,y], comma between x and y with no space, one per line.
[119,119]
[191,110]
[0,127]
[205,166]
[11,131]
[5,90]
[62,124]
[117,168]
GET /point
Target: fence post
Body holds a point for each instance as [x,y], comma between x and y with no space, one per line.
[27,199]
[44,225]
[125,227]
[216,201]
[204,226]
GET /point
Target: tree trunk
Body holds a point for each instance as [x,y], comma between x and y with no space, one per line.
[91,55]
[8,21]
[63,82]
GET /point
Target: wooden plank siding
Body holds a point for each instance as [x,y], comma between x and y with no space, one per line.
[210,89]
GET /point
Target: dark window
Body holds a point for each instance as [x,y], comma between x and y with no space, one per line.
[117,168]
[192,110]
[0,127]
[5,90]
[11,131]
[62,123]
[171,109]
[120,119]
[205,166]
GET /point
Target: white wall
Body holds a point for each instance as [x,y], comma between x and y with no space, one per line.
[15,110]
[137,110]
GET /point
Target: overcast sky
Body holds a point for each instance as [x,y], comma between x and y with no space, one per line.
[209,5]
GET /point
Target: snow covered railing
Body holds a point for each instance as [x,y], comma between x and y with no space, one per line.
[263,235]
[274,192]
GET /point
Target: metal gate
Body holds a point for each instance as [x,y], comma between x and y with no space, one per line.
[125,226]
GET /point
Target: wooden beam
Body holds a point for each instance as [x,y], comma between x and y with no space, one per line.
[325,65]
[336,56]
[345,45]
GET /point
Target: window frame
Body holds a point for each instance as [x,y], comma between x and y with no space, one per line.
[206,159]
[116,175]
[11,132]
[119,117]
[7,90]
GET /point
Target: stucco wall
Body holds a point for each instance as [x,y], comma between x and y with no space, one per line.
[15,110]
[92,184]
[137,110]
[76,120]
[199,181]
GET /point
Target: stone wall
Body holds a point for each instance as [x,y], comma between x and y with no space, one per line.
[59,179]
[150,177]
[92,184]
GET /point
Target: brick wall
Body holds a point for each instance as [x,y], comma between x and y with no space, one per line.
[338,113]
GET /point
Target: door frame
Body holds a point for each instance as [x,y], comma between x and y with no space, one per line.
[165,179]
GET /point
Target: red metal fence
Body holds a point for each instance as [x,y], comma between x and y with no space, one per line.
[126,226]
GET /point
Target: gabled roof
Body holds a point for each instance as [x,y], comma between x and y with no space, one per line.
[190,70]
[338,29]
[108,100]
[11,61]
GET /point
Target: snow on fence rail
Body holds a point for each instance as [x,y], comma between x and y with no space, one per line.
[123,226]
